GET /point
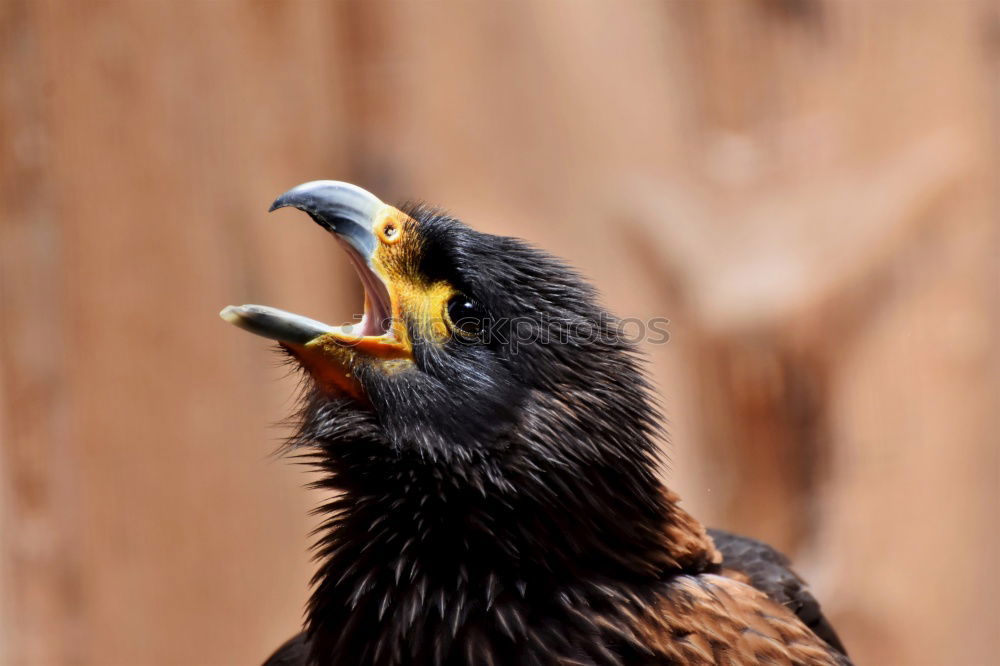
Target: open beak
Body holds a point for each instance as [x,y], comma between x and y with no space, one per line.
[361,224]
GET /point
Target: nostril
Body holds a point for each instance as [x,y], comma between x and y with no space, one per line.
[389,232]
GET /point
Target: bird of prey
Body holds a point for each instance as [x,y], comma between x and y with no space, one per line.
[491,439]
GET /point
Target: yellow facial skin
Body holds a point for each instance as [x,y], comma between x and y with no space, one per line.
[333,358]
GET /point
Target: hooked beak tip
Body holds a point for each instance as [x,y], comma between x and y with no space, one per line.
[280,202]
[341,208]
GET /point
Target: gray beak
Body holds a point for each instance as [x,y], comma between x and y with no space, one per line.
[274,324]
[349,213]
[341,208]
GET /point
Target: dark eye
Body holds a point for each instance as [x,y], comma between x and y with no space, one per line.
[467,315]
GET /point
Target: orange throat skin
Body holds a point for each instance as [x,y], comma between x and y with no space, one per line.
[333,360]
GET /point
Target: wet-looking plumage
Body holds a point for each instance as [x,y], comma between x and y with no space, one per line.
[491,439]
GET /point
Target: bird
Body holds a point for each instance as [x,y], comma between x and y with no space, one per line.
[492,450]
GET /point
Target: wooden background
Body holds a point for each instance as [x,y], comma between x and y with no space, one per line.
[808,190]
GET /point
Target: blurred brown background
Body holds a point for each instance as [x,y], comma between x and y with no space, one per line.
[808,190]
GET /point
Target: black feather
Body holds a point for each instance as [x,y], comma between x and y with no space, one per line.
[500,502]
[294,652]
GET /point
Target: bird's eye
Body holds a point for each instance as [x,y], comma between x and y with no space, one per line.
[467,315]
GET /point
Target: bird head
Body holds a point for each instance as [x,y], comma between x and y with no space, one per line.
[476,351]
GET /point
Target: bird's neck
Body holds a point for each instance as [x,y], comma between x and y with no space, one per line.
[407,546]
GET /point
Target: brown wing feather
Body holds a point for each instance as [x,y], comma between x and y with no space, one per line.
[761,566]
[710,619]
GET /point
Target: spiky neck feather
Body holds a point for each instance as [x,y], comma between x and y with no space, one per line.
[497,490]
[469,546]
